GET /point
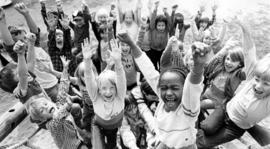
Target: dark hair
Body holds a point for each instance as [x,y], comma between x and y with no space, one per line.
[130,100]
[161,18]
[7,82]
[180,15]
[146,88]
[204,19]
[180,71]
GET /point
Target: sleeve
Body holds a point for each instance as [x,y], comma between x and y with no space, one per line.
[148,70]
[191,98]
[72,25]
[127,135]
[44,16]
[140,37]
[51,42]
[148,117]
[197,19]
[121,82]
[153,19]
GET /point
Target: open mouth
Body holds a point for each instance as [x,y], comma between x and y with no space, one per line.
[170,102]
[257,92]
[59,42]
[51,110]
[108,97]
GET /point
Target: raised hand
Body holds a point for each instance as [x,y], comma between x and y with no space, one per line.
[31,38]
[51,20]
[200,52]
[165,9]
[87,49]
[115,54]
[174,7]
[59,5]
[2,15]
[214,8]
[21,8]
[64,21]
[157,4]
[20,47]
[123,36]
[65,61]
[202,8]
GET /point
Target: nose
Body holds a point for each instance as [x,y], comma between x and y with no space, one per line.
[258,86]
[169,92]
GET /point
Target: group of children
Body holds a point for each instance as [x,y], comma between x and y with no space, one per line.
[126,81]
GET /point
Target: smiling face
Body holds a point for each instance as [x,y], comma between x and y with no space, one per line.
[128,17]
[59,38]
[207,37]
[107,90]
[102,18]
[171,88]
[261,87]
[125,48]
[43,108]
[79,21]
[161,26]
[230,65]
[203,25]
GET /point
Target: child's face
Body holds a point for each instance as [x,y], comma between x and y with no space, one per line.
[190,62]
[179,19]
[132,110]
[79,21]
[107,90]
[207,38]
[59,38]
[102,19]
[21,35]
[230,65]
[261,87]
[46,109]
[203,25]
[161,26]
[125,49]
[171,88]
[128,17]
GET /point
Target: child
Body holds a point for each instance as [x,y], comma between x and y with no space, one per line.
[58,121]
[159,33]
[131,70]
[250,104]
[107,92]
[134,130]
[180,102]
[143,40]
[178,25]
[203,23]
[130,20]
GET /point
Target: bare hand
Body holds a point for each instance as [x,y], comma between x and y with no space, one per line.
[200,52]
[21,8]
[123,36]
[31,38]
[52,21]
[115,54]
[214,7]
[65,61]
[174,7]
[87,50]
[65,21]
[59,5]
[2,15]
[157,4]
[202,9]
[20,47]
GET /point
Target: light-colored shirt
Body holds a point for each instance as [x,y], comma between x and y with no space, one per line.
[176,128]
[245,110]
[45,79]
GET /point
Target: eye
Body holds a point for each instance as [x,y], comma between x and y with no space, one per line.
[266,83]
[163,87]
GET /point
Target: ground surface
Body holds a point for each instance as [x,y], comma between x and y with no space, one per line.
[255,13]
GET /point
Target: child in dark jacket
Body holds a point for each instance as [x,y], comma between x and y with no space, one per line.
[159,34]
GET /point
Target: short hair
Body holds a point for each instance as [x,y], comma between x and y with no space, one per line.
[7,81]
[79,73]
[262,68]
[146,88]
[161,18]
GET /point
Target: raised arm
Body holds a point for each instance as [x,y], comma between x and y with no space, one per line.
[143,62]
[193,84]
[153,16]
[31,56]
[214,8]
[119,70]
[44,13]
[195,32]
[22,9]
[138,13]
[120,12]
[250,56]
[6,36]
[20,49]
[90,77]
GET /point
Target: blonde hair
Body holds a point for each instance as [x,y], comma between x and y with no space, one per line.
[107,75]
[33,108]
[101,12]
[262,68]
[79,73]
